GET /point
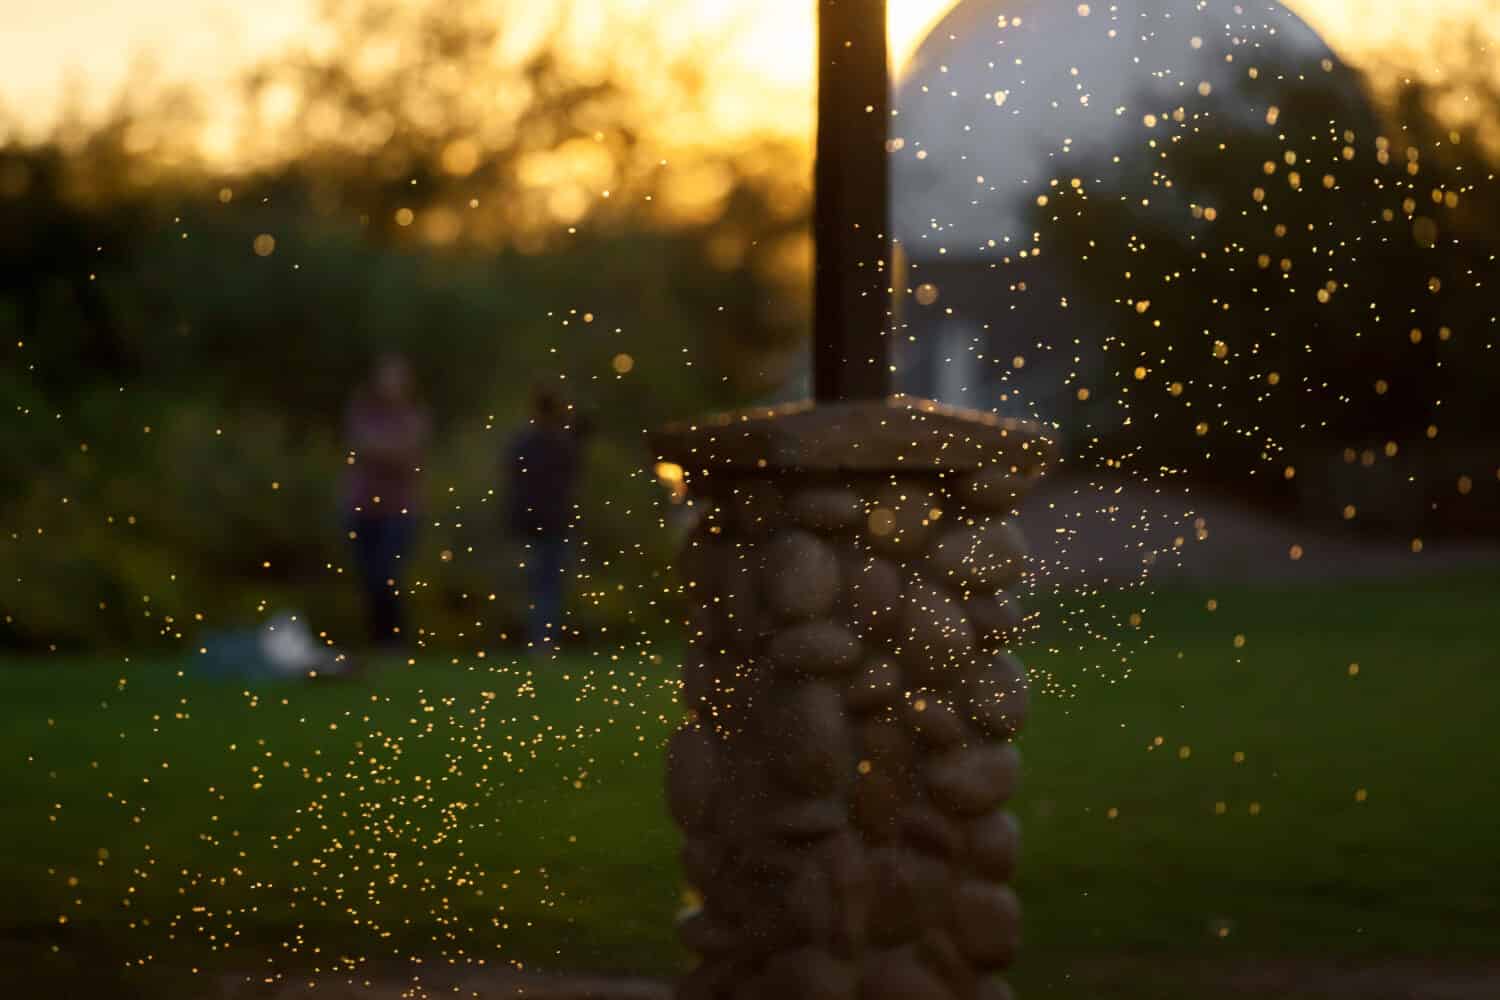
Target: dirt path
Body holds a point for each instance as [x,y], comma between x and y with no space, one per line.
[1299,979]
[1109,533]
[1296,979]
[497,985]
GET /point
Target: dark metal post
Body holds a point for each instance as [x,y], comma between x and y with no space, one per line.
[850,215]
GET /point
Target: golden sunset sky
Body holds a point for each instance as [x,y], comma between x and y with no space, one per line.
[85,48]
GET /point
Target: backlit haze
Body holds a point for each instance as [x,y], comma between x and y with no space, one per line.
[81,51]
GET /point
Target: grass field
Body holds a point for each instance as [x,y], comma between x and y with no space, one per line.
[1205,811]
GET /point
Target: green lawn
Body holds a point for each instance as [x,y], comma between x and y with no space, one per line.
[1201,807]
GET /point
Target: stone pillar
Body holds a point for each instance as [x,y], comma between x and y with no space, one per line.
[841,777]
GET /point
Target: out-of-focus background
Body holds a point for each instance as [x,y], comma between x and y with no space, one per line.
[1240,259]
[217,217]
[200,266]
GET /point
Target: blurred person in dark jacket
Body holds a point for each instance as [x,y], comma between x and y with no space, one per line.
[542,469]
[387,428]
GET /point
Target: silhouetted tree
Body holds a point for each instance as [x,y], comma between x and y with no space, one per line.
[1283,274]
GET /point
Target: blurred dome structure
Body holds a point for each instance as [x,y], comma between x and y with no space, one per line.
[1006,100]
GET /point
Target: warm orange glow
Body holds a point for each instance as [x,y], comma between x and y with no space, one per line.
[47,47]
[672,476]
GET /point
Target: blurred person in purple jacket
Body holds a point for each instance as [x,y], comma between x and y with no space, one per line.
[387,428]
[542,468]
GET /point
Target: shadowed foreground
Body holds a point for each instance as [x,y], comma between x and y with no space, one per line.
[1220,819]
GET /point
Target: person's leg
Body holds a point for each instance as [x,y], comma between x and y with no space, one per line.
[396,533]
[557,580]
[366,542]
[385,604]
[546,566]
[536,598]
[378,543]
